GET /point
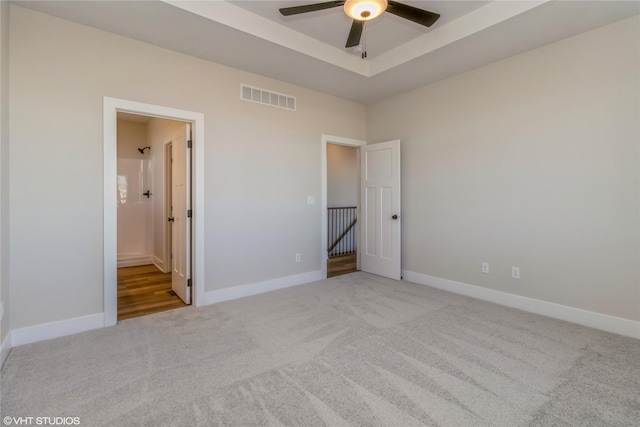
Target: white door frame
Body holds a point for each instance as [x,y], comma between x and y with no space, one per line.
[329,139]
[167,206]
[111,106]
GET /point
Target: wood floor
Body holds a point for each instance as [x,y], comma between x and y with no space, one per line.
[144,290]
[341,265]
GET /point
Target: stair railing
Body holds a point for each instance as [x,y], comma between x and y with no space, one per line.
[342,238]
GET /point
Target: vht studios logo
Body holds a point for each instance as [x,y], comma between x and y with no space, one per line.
[41,421]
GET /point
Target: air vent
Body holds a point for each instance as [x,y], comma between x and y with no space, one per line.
[266,97]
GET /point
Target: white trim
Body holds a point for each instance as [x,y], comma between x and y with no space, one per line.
[57,329]
[233,16]
[166,184]
[329,139]
[158,263]
[5,349]
[441,35]
[111,106]
[135,261]
[494,13]
[110,218]
[241,291]
[616,325]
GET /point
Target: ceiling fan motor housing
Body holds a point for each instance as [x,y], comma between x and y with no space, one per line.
[364,9]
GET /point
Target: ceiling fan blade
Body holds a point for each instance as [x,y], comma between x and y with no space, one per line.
[355,33]
[419,16]
[286,11]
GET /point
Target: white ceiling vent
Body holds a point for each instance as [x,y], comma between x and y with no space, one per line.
[266,97]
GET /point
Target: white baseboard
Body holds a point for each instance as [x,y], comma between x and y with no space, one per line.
[241,291]
[5,348]
[96,321]
[591,319]
[159,263]
[135,261]
[61,328]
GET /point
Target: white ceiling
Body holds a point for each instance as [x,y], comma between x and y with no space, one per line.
[332,26]
[308,49]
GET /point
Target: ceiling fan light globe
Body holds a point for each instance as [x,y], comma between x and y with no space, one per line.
[364,9]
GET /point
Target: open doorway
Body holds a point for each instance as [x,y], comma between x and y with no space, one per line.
[343,180]
[111,106]
[340,205]
[153,242]
[379,217]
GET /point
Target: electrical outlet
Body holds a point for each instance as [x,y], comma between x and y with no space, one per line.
[298,257]
[515,272]
[485,267]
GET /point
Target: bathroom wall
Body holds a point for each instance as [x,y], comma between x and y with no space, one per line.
[135,210]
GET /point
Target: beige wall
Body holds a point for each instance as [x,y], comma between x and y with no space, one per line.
[530,162]
[261,163]
[4,168]
[343,176]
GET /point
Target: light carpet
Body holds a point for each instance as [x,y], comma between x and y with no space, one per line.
[354,350]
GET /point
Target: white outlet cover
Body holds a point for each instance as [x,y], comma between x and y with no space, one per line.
[485,267]
[311,200]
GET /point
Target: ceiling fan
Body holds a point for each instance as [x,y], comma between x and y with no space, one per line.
[365,10]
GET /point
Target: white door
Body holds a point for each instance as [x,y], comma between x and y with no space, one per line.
[380,209]
[180,212]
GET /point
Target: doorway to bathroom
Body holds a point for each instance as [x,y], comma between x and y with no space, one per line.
[111,107]
[153,214]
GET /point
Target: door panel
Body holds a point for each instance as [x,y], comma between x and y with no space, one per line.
[386,227]
[180,204]
[369,226]
[381,203]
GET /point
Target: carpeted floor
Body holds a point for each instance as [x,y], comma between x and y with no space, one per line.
[353,350]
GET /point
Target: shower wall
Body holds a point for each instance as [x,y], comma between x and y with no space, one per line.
[135,210]
[135,225]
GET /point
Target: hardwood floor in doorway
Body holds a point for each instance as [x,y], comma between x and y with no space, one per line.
[341,265]
[144,290]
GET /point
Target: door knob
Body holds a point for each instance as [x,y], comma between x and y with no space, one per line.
[170,219]
[394,217]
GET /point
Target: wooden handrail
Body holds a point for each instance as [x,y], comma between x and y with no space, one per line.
[341,236]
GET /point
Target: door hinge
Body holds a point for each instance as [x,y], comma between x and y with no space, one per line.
[189,144]
[188,282]
[189,213]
